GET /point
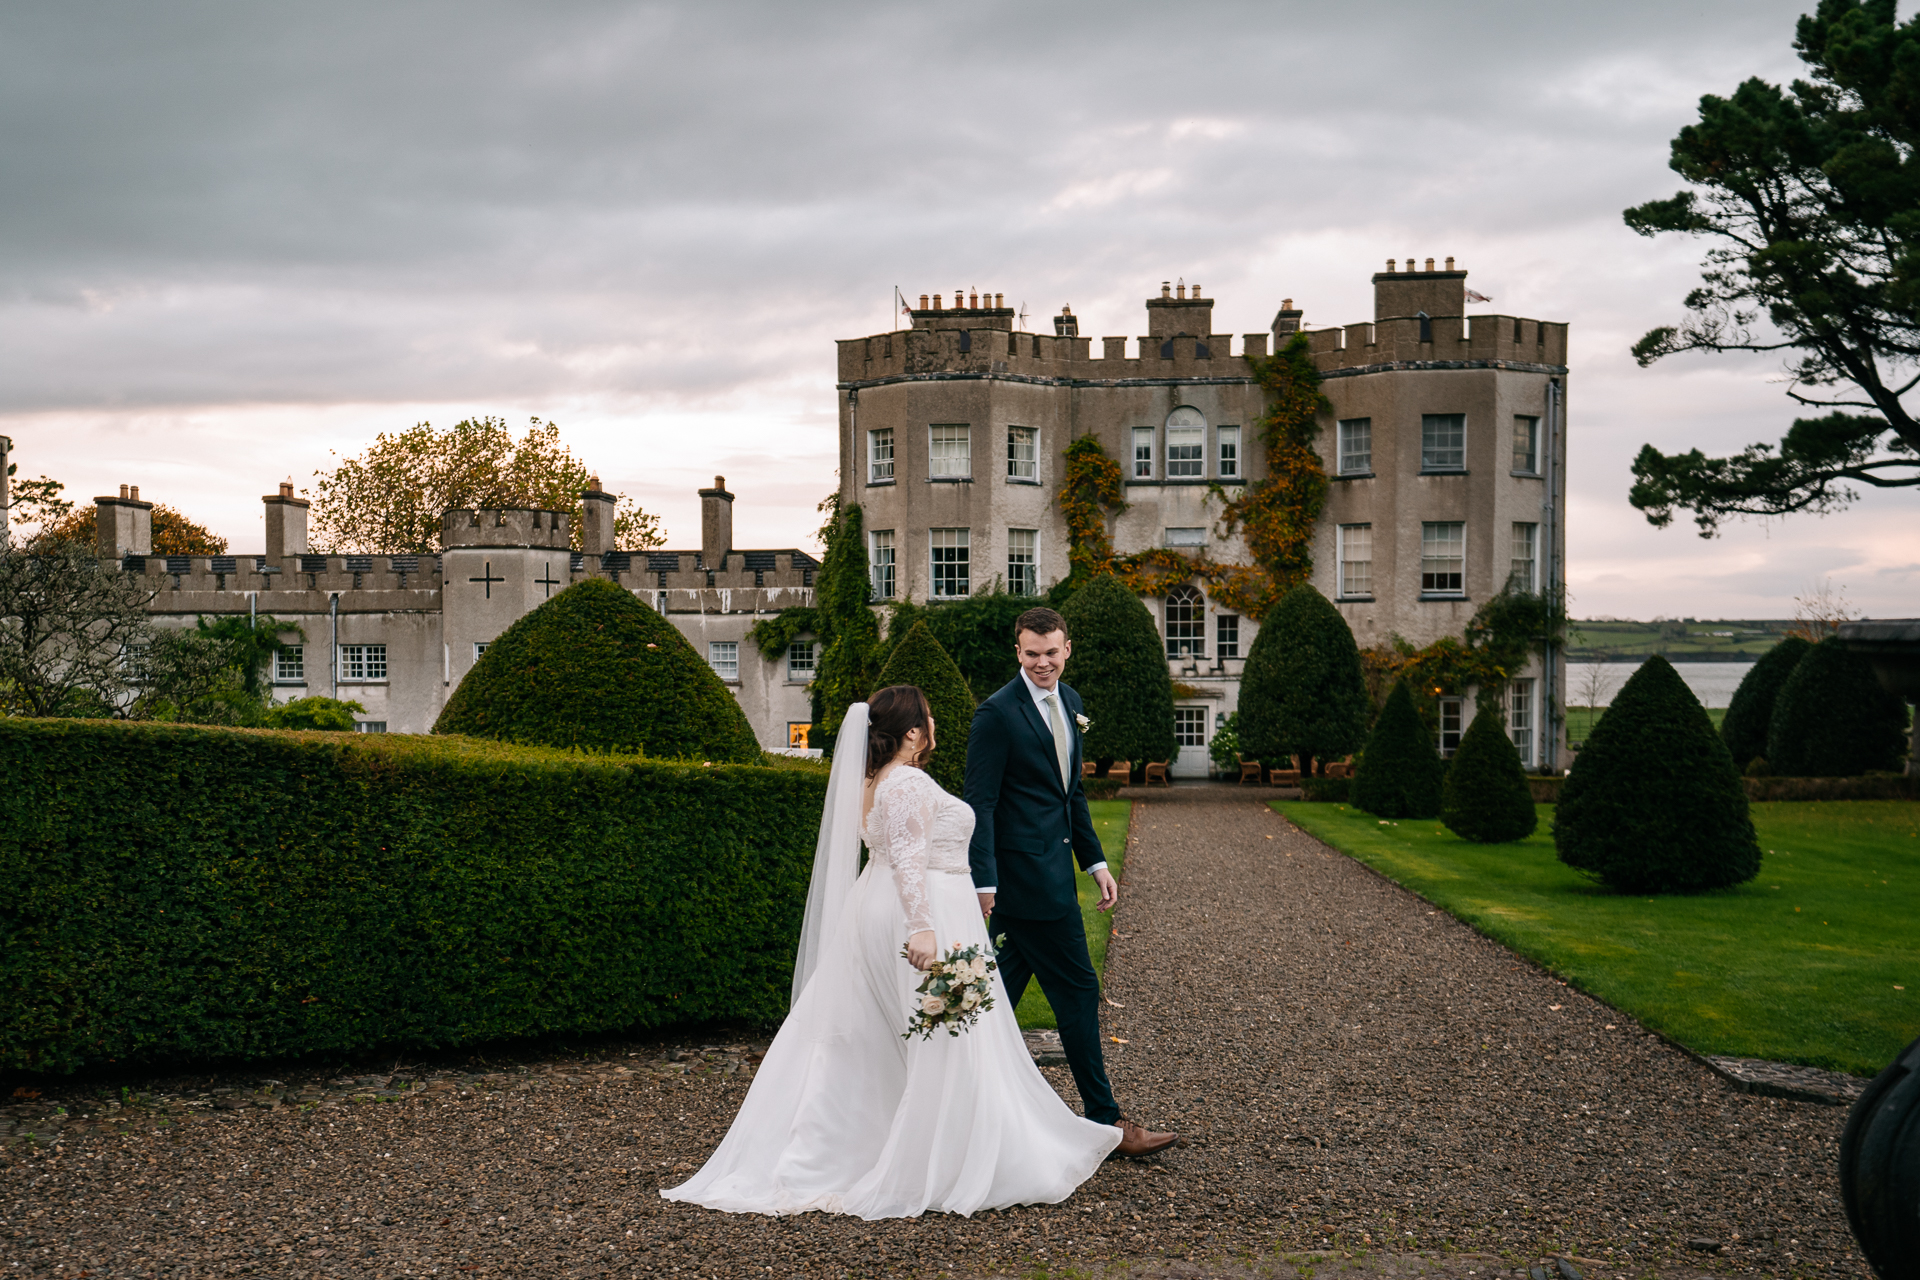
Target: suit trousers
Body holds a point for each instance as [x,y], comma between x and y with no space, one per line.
[1055,951]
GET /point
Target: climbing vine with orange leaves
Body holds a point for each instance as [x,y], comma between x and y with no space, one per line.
[1276,514]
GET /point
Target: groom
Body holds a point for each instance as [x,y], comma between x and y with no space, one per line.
[1030,824]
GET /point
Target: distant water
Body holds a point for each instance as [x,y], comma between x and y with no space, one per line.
[1712,682]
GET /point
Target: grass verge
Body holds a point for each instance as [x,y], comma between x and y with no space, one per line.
[1817,961]
[1110,819]
[1580,720]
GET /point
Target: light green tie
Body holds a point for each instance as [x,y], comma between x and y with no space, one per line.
[1059,728]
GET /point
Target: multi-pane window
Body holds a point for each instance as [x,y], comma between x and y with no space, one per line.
[1526,445]
[797,733]
[1143,453]
[1450,709]
[880,562]
[1186,622]
[1190,726]
[1226,635]
[1186,444]
[800,660]
[1356,559]
[951,574]
[479,648]
[1520,718]
[1526,538]
[949,452]
[1023,453]
[290,663]
[1443,442]
[363,662]
[369,726]
[1229,443]
[1188,536]
[724,657]
[1023,561]
[1356,446]
[1443,558]
[880,455]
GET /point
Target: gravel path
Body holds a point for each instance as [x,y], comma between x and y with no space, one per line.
[1369,1087]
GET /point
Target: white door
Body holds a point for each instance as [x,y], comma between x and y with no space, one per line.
[1190,731]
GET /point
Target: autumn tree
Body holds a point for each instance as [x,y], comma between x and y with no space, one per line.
[1809,198]
[391,498]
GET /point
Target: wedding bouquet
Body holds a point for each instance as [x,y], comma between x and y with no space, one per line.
[955,991]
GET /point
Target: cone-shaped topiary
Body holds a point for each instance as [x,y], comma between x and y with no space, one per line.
[1653,803]
[919,660]
[1485,797]
[1833,720]
[1744,729]
[1119,669]
[594,668]
[1302,692]
[1400,769]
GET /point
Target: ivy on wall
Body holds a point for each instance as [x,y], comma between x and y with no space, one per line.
[1504,632]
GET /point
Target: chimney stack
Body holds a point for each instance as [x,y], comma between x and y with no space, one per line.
[286,524]
[596,520]
[716,524]
[123,526]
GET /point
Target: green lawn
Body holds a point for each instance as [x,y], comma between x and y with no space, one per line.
[1110,818]
[1816,961]
[1580,720]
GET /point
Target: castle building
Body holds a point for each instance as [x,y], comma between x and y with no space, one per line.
[1445,444]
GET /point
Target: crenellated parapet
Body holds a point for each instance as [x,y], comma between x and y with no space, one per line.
[506,527]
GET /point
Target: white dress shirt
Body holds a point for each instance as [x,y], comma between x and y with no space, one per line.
[1040,697]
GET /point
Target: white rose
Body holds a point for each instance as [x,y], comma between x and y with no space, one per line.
[934,1005]
[978,965]
[1085,724]
[969,1000]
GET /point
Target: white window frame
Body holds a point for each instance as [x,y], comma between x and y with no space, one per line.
[724,657]
[1520,718]
[1530,426]
[1354,556]
[1524,575]
[944,462]
[1460,560]
[949,541]
[1023,455]
[883,569]
[1226,635]
[1433,454]
[802,670]
[480,647]
[1143,453]
[1227,452]
[804,726]
[1354,438]
[1023,562]
[880,456]
[1184,536]
[369,726]
[362,663]
[1453,725]
[1191,646]
[1196,738]
[290,664]
[1186,435]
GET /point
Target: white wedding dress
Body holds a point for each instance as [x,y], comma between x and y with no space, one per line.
[844,1115]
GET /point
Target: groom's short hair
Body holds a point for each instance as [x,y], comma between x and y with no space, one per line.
[1042,622]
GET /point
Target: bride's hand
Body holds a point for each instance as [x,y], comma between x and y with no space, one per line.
[921,950]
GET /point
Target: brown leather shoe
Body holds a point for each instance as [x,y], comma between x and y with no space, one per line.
[1135,1141]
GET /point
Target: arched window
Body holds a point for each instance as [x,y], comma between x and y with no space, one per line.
[1186,444]
[1186,623]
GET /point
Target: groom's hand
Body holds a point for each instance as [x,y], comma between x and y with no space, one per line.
[1109,891]
[986,904]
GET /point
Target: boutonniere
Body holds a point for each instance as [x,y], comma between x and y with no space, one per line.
[1084,723]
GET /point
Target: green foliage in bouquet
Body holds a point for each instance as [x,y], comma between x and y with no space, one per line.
[1485,797]
[919,660]
[1744,729]
[1400,771]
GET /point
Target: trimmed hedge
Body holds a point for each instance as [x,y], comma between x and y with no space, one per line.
[919,660]
[1744,727]
[1119,669]
[1485,797]
[180,893]
[1400,770]
[1329,790]
[594,668]
[1833,720]
[1303,692]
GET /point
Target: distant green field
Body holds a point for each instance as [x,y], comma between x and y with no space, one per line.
[1591,641]
[1580,720]
[1110,819]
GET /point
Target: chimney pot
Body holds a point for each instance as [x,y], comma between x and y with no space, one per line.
[936,302]
[998,301]
[1449,264]
[1286,304]
[719,482]
[134,493]
[1196,291]
[123,491]
[1180,289]
[1390,264]
[923,302]
[1429,264]
[1166,288]
[973,301]
[593,484]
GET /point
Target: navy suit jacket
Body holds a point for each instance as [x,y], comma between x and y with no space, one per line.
[1028,829]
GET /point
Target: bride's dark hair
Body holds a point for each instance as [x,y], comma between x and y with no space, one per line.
[890,714]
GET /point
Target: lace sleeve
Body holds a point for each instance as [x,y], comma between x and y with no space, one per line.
[906,814]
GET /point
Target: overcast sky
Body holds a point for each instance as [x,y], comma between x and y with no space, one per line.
[238,238]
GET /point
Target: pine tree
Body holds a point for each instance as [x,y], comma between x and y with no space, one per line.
[919,660]
[1119,669]
[593,668]
[1833,720]
[1303,693]
[1485,797]
[1653,803]
[1744,729]
[844,624]
[1400,769]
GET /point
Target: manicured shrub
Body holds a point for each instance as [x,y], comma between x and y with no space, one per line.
[1302,693]
[1833,720]
[1119,669]
[976,632]
[313,713]
[918,660]
[1400,771]
[1653,803]
[247,894]
[1329,790]
[1485,797]
[595,669]
[1744,728]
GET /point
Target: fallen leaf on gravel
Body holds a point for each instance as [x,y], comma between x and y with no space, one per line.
[1554,1007]
[1118,1040]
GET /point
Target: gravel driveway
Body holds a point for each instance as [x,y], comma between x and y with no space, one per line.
[1368,1086]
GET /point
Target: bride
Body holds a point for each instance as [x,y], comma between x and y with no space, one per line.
[845,1115]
